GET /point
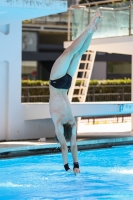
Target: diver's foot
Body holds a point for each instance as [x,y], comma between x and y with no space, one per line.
[95,22]
[76,171]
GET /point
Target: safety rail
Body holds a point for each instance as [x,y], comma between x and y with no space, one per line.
[35,94]
[106,119]
[95,93]
[117,18]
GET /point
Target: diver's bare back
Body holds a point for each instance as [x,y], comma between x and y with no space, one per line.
[60,108]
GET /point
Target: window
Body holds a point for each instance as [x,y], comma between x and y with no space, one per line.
[118,70]
[29,70]
[29,41]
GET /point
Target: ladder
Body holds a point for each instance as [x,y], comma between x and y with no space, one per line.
[81,79]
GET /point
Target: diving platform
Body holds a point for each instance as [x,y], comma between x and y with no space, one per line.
[36,111]
[120,45]
[35,121]
[18,10]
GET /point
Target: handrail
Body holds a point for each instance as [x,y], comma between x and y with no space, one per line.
[100,8]
[113,9]
[95,3]
[120,93]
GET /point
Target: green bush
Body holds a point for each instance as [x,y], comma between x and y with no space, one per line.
[95,87]
[35,91]
[34,83]
[124,81]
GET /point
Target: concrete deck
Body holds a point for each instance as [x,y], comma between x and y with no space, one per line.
[88,137]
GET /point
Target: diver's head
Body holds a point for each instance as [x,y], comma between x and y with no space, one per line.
[67,132]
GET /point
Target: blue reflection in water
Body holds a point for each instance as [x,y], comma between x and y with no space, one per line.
[105,174]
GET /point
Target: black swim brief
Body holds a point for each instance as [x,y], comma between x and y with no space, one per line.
[62,83]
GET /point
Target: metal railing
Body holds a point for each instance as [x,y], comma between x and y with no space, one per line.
[41,94]
[118,93]
[107,119]
[35,94]
[95,93]
[117,18]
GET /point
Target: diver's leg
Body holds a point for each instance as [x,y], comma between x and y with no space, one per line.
[74,63]
[74,149]
[62,64]
[73,144]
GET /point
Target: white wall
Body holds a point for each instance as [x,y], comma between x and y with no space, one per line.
[12,114]
[10,59]
[12,123]
[120,45]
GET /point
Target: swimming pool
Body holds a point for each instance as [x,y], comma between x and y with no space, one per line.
[105,174]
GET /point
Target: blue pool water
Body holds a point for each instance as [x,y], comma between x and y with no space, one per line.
[105,174]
